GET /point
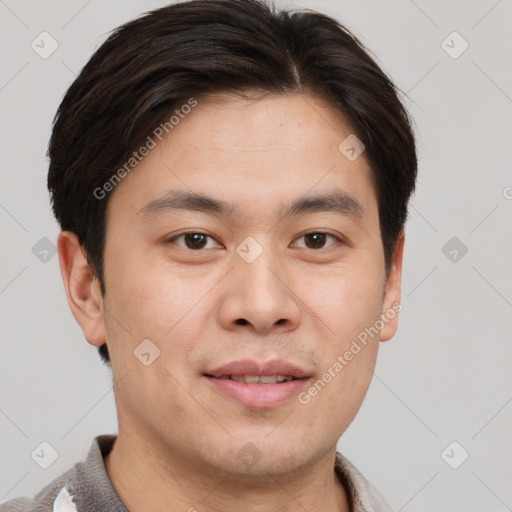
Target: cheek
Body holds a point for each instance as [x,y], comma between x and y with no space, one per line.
[346,306]
[348,300]
[155,303]
[151,300]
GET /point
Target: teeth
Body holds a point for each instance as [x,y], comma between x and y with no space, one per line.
[248,379]
[263,379]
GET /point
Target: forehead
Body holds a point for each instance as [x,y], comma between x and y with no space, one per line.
[254,154]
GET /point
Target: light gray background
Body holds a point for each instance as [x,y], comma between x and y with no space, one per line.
[444,377]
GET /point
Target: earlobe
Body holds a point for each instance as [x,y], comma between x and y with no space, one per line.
[391,304]
[82,288]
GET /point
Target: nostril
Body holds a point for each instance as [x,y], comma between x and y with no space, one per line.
[241,321]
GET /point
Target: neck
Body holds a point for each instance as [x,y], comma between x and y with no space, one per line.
[145,479]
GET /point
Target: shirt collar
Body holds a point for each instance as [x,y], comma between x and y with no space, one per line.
[363,496]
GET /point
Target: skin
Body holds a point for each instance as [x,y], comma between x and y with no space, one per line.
[178,437]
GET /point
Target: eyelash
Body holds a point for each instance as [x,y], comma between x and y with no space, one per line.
[338,239]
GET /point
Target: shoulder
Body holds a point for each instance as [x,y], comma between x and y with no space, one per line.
[85,486]
[55,497]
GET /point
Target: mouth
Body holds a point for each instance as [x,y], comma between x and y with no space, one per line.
[257,379]
[258,385]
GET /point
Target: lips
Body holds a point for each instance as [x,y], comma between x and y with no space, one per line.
[250,368]
[258,385]
[259,379]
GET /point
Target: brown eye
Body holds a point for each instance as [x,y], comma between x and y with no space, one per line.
[317,240]
[191,240]
[195,240]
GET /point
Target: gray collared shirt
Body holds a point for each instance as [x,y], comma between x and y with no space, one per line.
[86,487]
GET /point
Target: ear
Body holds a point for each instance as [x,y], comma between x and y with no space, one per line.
[391,304]
[82,288]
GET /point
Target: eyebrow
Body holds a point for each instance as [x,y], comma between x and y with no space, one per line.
[336,201]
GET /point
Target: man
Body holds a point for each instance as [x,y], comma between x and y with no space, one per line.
[232,185]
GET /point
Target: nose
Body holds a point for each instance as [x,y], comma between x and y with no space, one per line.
[259,296]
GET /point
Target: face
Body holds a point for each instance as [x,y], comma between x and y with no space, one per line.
[247,239]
